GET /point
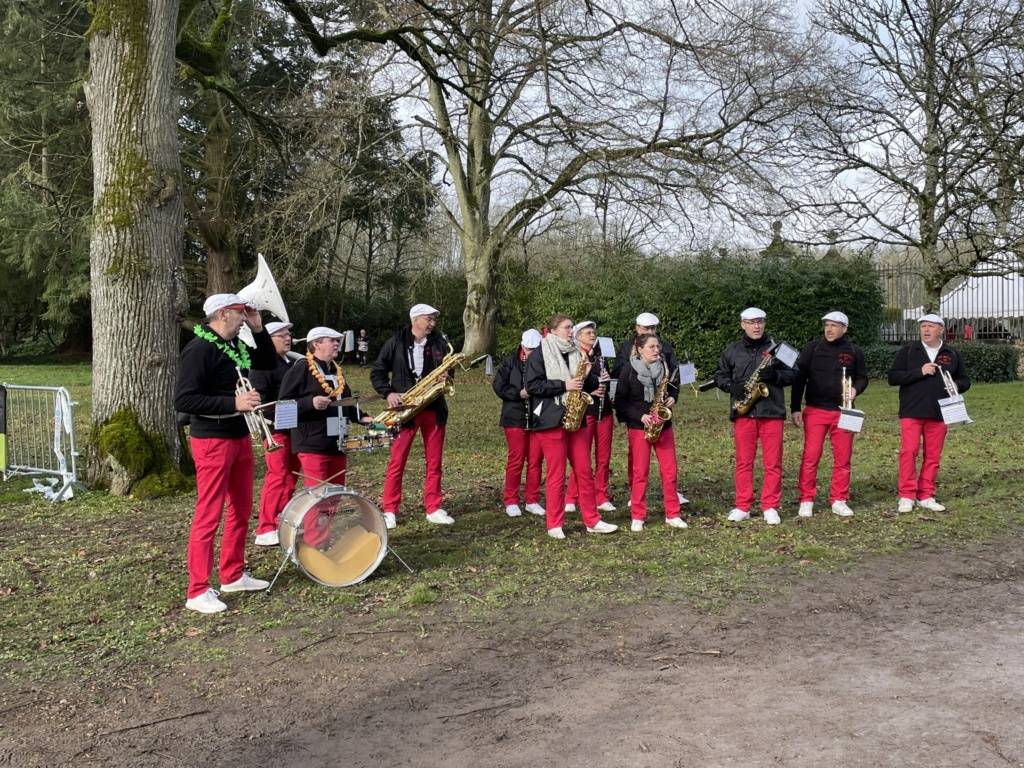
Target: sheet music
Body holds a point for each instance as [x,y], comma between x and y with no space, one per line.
[607,346]
[687,374]
[786,354]
[851,419]
[286,414]
[337,426]
[954,410]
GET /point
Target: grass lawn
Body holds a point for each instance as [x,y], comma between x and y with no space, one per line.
[97,584]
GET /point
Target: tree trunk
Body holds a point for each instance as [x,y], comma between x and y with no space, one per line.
[480,317]
[136,246]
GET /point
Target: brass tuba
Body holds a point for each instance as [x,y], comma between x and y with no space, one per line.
[577,401]
[262,293]
[660,412]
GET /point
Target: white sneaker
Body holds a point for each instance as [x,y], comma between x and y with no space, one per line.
[771,516]
[905,505]
[556,533]
[602,527]
[389,520]
[606,506]
[570,507]
[535,509]
[629,504]
[682,499]
[440,517]
[636,525]
[931,505]
[807,509]
[675,522]
[513,510]
[842,509]
[245,583]
[206,603]
[268,539]
[738,515]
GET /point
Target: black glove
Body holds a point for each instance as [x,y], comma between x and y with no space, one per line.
[769,376]
[738,389]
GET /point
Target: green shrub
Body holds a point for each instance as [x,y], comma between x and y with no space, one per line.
[984,362]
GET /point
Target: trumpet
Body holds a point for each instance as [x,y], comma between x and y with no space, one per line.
[258,426]
[947,381]
[847,390]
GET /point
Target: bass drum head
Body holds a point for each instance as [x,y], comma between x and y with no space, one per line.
[337,537]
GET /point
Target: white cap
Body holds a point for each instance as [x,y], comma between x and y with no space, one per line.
[647,319]
[931,318]
[321,332]
[422,309]
[583,324]
[753,313]
[277,327]
[530,339]
[220,301]
[837,317]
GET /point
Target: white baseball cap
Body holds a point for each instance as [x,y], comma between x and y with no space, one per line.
[422,309]
[277,327]
[647,319]
[221,301]
[753,313]
[530,339]
[931,318]
[837,317]
[321,332]
[583,324]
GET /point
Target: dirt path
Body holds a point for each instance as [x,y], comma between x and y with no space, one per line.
[916,660]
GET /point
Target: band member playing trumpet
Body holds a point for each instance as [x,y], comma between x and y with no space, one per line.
[744,367]
[207,389]
[920,370]
[314,383]
[644,395]
[646,322]
[282,464]
[555,379]
[599,420]
[820,371]
[510,386]
[406,357]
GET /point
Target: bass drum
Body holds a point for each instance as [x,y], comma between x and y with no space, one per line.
[335,536]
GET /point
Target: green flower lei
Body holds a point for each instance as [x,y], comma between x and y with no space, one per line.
[240,358]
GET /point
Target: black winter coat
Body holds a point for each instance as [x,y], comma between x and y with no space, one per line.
[630,405]
[310,436]
[819,371]
[509,380]
[543,393]
[920,394]
[393,369]
[737,364]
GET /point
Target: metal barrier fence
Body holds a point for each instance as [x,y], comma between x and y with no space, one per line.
[37,437]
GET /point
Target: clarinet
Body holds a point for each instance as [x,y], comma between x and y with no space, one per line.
[526,402]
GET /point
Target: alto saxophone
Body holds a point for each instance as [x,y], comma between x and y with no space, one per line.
[755,389]
[660,412]
[577,401]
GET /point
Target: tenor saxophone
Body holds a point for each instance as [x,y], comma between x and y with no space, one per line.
[755,389]
[577,401]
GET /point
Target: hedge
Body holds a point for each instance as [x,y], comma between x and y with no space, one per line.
[984,362]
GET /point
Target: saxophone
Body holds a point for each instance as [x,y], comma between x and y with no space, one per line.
[577,401]
[425,391]
[659,412]
[755,389]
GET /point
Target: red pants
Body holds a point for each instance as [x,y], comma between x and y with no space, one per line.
[320,467]
[640,449]
[602,441]
[223,473]
[522,449]
[556,445]
[912,432]
[433,448]
[747,431]
[278,483]
[819,422]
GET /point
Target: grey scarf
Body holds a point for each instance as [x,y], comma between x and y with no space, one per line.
[649,375]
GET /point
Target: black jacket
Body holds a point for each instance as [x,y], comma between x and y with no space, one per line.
[268,384]
[626,349]
[738,362]
[920,394]
[393,371]
[509,379]
[543,392]
[819,371]
[310,436]
[630,405]
[207,378]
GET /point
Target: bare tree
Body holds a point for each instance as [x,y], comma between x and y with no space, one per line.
[923,135]
[527,102]
[136,246]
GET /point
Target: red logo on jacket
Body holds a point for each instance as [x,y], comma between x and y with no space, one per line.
[845,359]
[944,359]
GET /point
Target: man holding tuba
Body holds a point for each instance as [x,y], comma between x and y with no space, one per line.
[404,359]
[758,413]
[211,368]
[925,371]
[820,371]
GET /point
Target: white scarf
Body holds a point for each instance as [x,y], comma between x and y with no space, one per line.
[555,368]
